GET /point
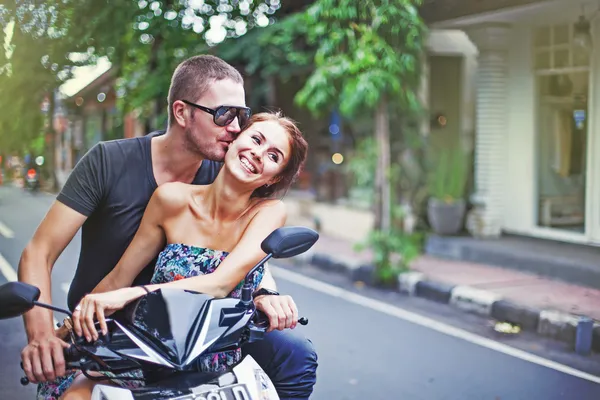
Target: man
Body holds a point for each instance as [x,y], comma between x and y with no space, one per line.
[106,195]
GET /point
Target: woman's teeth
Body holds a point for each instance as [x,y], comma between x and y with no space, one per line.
[247,164]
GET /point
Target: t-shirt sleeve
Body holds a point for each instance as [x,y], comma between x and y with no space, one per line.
[207,173]
[86,185]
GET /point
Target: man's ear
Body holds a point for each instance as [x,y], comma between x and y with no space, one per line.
[179,113]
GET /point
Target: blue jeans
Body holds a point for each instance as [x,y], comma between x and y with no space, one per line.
[289,359]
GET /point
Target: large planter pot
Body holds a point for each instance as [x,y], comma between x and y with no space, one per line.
[446,218]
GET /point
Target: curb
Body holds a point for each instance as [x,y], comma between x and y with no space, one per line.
[547,323]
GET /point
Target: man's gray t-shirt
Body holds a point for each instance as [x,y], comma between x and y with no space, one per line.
[112,185]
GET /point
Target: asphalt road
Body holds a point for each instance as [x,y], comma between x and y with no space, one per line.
[371,345]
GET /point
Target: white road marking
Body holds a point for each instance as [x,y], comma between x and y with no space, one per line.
[7,270]
[6,231]
[426,322]
[10,274]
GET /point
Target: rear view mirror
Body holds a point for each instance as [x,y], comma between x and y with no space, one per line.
[285,242]
[289,241]
[17,298]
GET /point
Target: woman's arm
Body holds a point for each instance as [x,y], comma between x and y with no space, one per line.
[246,254]
[149,240]
[280,310]
[232,270]
[146,244]
[268,282]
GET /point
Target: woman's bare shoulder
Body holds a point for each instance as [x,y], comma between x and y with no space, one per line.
[275,207]
[172,195]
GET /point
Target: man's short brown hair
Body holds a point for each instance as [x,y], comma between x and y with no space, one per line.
[193,77]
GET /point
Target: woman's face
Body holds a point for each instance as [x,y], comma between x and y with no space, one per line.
[259,154]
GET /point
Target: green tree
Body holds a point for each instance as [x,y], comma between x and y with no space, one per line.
[43,41]
[276,52]
[367,60]
[166,32]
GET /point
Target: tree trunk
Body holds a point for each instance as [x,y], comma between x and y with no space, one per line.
[51,144]
[157,105]
[271,91]
[382,181]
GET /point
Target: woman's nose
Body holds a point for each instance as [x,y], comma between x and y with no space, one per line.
[256,154]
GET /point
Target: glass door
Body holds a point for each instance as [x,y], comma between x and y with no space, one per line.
[563,82]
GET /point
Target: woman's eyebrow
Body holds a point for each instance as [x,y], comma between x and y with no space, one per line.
[262,137]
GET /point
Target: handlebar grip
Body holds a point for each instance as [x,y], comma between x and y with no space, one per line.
[261,319]
[71,354]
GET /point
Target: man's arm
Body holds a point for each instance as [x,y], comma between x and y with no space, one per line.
[43,357]
[54,233]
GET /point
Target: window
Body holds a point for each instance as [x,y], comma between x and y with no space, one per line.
[562,80]
[554,50]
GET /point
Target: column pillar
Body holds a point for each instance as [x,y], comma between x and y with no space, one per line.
[491,124]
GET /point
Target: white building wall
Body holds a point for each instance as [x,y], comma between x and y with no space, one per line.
[519,208]
[519,212]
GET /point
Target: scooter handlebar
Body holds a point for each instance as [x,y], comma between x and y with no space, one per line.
[71,355]
[262,320]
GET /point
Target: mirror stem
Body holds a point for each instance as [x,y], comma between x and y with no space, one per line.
[48,306]
[246,297]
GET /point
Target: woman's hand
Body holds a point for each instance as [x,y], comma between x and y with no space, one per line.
[101,305]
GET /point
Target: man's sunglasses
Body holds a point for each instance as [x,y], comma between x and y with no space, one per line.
[224,115]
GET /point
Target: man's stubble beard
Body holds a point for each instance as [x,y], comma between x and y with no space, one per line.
[193,146]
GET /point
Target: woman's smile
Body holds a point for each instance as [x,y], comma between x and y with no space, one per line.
[248,165]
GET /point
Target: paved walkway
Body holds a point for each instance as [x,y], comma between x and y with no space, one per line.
[522,288]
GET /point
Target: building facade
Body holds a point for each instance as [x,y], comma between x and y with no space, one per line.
[529,86]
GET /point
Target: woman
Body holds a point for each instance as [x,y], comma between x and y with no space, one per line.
[210,236]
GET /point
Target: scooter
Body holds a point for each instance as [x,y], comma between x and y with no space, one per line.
[165,332]
[32,180]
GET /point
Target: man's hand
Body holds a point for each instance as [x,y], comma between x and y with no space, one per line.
[43,358]
[281,311]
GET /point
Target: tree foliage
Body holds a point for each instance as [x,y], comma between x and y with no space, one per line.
[164,33]
[368,60]
[44,40]
[367,50]
[277,51]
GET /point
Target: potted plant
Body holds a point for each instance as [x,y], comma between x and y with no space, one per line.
[393,253]
[446,184]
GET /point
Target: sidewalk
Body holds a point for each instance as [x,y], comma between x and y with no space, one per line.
[549,307]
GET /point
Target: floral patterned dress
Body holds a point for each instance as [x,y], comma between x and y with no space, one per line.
[176,261]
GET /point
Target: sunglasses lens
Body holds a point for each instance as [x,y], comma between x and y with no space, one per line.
[225,115]
[244,116]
